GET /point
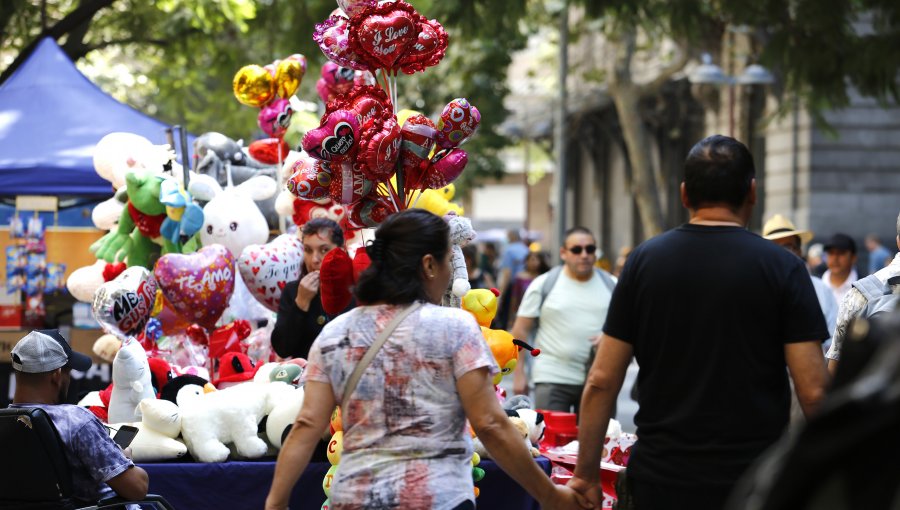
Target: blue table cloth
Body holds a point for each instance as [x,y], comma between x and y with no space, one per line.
[244,485]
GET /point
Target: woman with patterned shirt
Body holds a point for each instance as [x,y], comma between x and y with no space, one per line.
[405,439]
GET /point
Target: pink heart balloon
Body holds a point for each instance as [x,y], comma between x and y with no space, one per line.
[332,36]
[446,166]
[380,150]
[197,285]
[275,117]
[336,139]
[267,268]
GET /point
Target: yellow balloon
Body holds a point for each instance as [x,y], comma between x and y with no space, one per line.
[335,447]
[253,86]
[288,76]
[404,114]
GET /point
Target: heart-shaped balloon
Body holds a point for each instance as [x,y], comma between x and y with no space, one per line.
[336,280]
[354,7]
[368,212]
[349,184]
[275,117]
[288,75]
[382,39]
[332,36]
[418,134]
[336,139]
[339,78]
[123,305]
[253,86]
[267,268]
[458,122]
[428,50]
[197,285]
[380,149]
[368,102]
[310,179]
[446,166]
[270,151]
[172,322]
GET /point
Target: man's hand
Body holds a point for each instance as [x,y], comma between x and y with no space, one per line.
[566,497]
[590,491]
[307,290]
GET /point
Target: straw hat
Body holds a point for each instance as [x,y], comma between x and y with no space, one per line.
[779,227]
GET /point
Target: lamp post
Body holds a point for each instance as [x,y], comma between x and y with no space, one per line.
[709,73]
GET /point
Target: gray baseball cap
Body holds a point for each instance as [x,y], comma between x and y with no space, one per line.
[45,350]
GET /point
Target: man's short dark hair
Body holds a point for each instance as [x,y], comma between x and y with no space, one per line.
[578,230]
[317,225]
[718,170]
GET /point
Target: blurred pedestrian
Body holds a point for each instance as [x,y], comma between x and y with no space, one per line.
[841,260]
[879,256]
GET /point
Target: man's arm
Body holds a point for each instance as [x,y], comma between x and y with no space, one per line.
[600,392]
[807,369]
[131,484]
[520,330]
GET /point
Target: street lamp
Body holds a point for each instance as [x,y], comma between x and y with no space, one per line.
[709,73]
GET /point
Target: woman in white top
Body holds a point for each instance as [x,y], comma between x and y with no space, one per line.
[405,440]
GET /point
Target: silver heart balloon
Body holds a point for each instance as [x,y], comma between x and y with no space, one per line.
[123,305]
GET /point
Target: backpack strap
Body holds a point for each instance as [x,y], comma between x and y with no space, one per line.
[871,287]
[553,277]
[607,278]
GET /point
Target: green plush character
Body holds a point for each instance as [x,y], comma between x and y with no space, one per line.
[137,238]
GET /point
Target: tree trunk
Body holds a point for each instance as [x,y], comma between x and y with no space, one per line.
[637,140]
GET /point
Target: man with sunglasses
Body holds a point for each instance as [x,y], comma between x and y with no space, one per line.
[570,303]
[713,314]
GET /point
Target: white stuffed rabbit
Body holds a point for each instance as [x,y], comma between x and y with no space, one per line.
[461,234]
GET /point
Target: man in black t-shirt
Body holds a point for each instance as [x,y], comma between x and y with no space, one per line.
[713,314]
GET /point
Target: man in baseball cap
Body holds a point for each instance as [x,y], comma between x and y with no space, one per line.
[43,361]
[45,350]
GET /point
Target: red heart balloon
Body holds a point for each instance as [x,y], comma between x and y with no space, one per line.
[335,140]
[368,212]
[336,277]
[384,38]
[269,151]
[380,150]
[429,49]
[418,135]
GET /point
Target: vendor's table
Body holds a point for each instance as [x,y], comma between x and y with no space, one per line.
[244,485]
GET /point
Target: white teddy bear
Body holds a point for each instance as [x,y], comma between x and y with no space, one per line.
[461,234]
[209,421]
[131,383]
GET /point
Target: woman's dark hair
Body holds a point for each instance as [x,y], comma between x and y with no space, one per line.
[396,274]
[718,170]
[316,225]
[543,259]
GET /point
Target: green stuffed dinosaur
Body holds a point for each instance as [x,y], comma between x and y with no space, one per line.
[137,238]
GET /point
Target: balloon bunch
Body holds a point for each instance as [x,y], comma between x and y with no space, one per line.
[337,80]
[270,88]
[335,448]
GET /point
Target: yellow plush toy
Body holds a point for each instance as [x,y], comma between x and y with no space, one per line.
[482,303]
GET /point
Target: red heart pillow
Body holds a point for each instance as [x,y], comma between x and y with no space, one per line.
[335,280]
[361,262]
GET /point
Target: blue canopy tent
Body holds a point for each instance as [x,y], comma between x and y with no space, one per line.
[51,118]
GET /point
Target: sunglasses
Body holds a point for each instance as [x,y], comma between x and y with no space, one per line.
[576,250]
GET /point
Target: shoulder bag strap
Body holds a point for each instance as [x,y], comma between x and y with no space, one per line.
[373,350]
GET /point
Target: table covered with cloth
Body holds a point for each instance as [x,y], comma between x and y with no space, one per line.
[245,484]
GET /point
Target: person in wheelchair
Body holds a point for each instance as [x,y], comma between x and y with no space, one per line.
[43,361]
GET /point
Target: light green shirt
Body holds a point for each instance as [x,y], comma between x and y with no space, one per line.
[572,313]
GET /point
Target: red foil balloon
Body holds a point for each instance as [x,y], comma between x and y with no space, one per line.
[428,50]
[382,35]
[418,133]
[368,212]
[446,166]
[380,149]
[270,151]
